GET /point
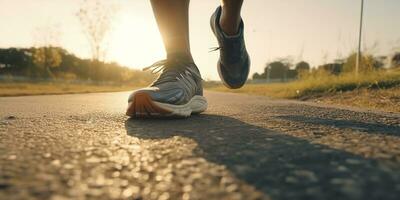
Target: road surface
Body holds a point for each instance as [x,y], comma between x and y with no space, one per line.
[244,147]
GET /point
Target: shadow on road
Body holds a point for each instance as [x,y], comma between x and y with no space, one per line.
[352,124]
[281,166]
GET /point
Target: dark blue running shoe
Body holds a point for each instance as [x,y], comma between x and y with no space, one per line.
[234,61]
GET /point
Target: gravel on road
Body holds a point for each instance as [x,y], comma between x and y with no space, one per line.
[244,147]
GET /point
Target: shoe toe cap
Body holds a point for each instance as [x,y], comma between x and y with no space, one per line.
[235,75]
[162,95]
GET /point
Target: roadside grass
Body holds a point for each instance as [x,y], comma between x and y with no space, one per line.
[43,88]
[377,90]
[378,99]
[320,84]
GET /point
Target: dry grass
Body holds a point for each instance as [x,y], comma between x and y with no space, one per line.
[369,89]
[21,89]
[320,84]
[379,99]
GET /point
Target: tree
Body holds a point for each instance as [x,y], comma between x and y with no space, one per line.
[302,69]
[276,70]
[332,68]
[395,60]
[15,61]
[45,62]
[256,76]
[46,58]
[96,19]
[302,66]
[291,74]
[367,63]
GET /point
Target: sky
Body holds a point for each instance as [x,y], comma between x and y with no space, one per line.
[317,31]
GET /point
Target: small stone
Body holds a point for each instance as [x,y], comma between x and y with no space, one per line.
[56,163]
[68,166]
[342,181]
[187,188]
[11,117]
[231,188]
[127,193]
[353,161]
[342,168]
[47,155]
[306,174]
[291,179]
[12,157]
[115,174]
[58,197]
[93,160]
[164,196]
[186,196]
[95,192]
[327,151]
[124,183]
[242,169]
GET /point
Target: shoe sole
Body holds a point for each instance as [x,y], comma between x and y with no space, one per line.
[222,77]
[143,106]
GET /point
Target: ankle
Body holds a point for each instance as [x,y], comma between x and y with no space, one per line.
[187,56]
[230,22]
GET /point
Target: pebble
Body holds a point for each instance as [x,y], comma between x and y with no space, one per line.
[47,155]
[12,157]
[56,163]
[353,161]
[58,197]
[342,168]
[93,160]
[342,181]
[291,179]
[68,166]
[11,117]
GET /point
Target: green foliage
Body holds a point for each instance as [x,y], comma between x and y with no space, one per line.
[332,68]
[302,66]
[280,69]
[395,60]
[46,57]
[367,63]
[257,76]
[321,81]
[277,70]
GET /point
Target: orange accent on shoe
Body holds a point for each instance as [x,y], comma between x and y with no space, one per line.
[143,106]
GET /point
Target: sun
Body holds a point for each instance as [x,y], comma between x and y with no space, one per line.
[135,42]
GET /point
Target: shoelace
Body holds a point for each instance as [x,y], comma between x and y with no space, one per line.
[157,66]
[230,50]
[212,49]
[171,69]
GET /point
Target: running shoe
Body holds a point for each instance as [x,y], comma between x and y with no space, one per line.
[234,62]
[177,92]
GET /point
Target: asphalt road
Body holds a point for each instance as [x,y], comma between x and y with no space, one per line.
[244,147]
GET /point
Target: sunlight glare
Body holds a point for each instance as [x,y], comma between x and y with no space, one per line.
[135,42]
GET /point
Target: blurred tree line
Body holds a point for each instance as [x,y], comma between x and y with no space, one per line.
[283,70]
[57,63]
